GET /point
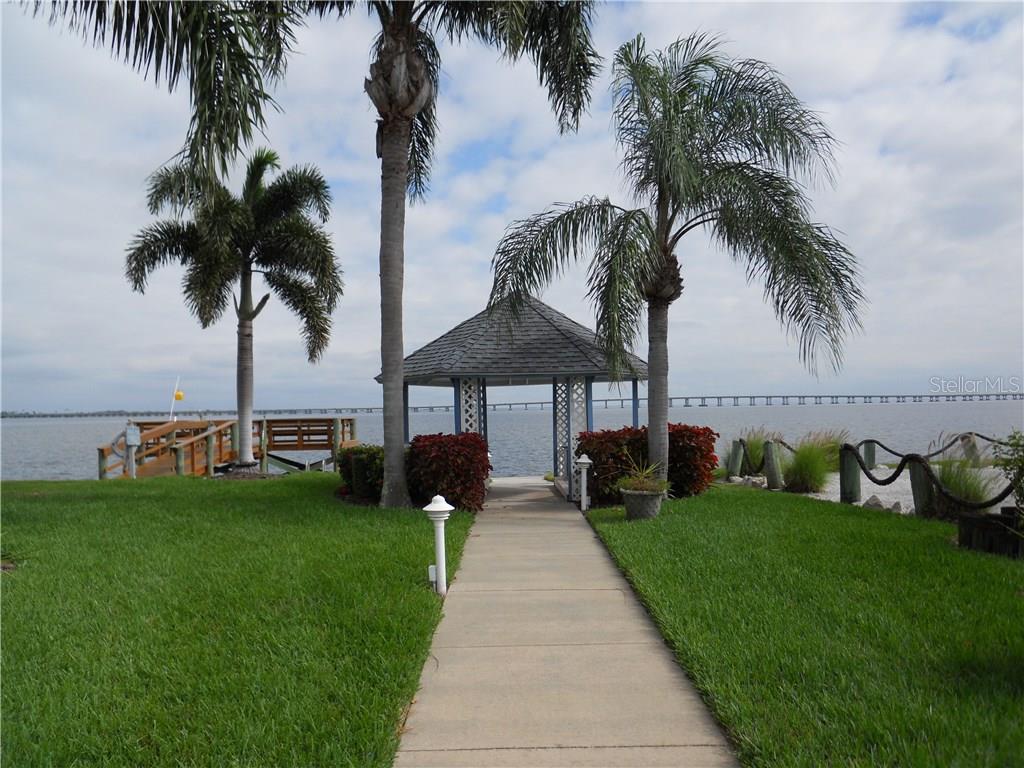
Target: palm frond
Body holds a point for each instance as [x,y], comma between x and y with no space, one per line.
[228,52]
[536,250]
[322,8]
[261,161]
[300,189]
[174,187]
[298,247]
[810,278]
[276,21]
[307,303]
[424,125]
[208,279]
[224,221]
[557,39]
[157,245]
[747,112]
[555,36]
[624,262]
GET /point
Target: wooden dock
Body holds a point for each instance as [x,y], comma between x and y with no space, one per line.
[205,447]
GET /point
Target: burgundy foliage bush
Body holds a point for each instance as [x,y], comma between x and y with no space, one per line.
[691,458]
[454,466]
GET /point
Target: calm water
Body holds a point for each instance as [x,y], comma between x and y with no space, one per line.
[64,449]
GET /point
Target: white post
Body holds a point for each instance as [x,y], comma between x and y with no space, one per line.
[583,463]
[132,438]
[438,511]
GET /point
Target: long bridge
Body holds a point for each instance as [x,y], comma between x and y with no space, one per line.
[684,401]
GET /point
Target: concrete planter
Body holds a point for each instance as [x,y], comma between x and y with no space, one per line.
[642,505]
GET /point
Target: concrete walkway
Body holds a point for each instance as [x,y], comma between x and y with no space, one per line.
[544,656]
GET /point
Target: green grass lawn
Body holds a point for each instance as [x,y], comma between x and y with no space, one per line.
[184,622]
[825,634]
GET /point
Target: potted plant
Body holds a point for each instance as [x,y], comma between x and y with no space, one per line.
[642,491]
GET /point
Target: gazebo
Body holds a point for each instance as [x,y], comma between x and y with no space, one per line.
[541,346]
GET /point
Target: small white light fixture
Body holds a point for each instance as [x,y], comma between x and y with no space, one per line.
[438,510]
[583,463]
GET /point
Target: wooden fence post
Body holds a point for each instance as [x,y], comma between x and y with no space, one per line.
[129,461]
[264,442]
[921,487]
[969,446]
[102,463]
[211,454]
[869,455]
[772,466]
[849,476]
[179,460]
[735,458]
[336,439]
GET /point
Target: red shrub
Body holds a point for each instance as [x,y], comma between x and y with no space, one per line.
[455,466]
[691,458]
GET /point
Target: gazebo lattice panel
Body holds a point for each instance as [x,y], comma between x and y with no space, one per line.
[470,406]
[563,429]
[578,423]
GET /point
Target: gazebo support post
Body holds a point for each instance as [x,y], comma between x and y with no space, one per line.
[590,405]
[405,411]
[458,407]
[482,402]
[636,403]
[554,427]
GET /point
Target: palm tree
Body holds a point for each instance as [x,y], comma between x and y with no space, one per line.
[229,50]
[266,231]
[708,143]
[402,85]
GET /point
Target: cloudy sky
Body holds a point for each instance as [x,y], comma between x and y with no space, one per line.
[926,100]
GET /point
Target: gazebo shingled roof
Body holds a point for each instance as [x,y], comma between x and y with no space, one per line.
[543,343]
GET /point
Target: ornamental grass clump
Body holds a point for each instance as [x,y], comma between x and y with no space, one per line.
[958,471]
[829,441]
[963,480]
[807,469]
[755,438]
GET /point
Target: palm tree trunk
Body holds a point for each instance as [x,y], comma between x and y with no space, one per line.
[394,146]
[243,381]
[657,384]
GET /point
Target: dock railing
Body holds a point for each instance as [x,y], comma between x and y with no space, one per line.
[200,447]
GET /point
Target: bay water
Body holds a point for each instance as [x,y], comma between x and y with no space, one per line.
[64,448]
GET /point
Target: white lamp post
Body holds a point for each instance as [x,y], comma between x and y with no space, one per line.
[583,463]
[438,511]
